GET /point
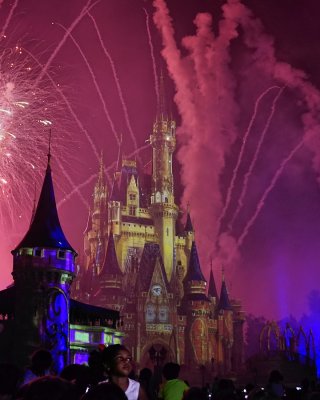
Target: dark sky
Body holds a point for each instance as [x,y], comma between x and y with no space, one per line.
[267,49]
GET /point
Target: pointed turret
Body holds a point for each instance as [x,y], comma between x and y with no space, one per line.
[212,291]
[162,113]
[110,294]
[111,265]
[45,229]
[224,302]
[194,272]
[101,176]
[100,189]
[196,307]
[188,227]
[194,281]
[43,270]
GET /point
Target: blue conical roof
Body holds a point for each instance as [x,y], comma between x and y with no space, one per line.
[45,229]
[111,265]
[224,303]
[188,227]
[194,272]
[212,291]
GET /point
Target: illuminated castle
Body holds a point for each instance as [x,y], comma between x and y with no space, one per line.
[138,263]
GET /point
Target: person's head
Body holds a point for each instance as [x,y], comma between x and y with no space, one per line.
[10,379]
[105,391]
[275,376]
[95,360]
[49,388]
[80,375]
[41,360]
[117,360]
[171,371]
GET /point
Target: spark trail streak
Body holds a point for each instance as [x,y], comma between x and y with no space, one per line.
[240,157]
[271,186]
[205,99]
[107,170]
[68,31]
[66,101]
[105,109]
[7,22]
[154,68]
[254,160]
[116,79]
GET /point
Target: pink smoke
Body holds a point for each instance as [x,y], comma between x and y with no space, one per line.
[206,86]
[205,99]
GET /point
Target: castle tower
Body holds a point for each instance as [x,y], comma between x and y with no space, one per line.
[212,292]
[163,208]
[197,308]
[43,270]
[225,329]
[110,294]
[96,237]
[189,231]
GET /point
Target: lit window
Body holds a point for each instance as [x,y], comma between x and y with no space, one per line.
[62,254]
[81,337]
[132,210]
[37,252]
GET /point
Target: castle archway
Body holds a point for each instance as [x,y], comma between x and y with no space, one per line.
[155,354]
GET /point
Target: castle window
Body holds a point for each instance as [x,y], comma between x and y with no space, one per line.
[132,210]
[132,196]
[27,252]
[166,199]
[37,252]
[62,254]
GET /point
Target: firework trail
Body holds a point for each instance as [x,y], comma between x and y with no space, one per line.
[92,177]
[116,79]
[271,186]
[240,157]
[154,68]
[7,22]
[254,159]
[67,103]
[68,31]
[105,109]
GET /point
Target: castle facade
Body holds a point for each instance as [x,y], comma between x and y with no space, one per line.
[138,262]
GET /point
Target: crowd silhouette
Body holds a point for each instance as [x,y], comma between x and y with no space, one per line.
[110,375]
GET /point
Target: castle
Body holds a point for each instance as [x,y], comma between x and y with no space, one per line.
[36,311]
[138,262]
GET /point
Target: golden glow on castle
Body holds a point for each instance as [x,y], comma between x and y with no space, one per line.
[138,263]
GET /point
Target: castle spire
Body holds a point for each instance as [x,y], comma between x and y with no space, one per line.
[162,111]
[188,226]
[101,177]
[224,302]
[49,148]
[194,272]
[45,229]
[111,265]
[212,291]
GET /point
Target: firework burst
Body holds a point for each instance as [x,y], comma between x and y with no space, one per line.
[27,113]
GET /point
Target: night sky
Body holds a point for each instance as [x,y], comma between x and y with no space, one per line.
[243,83]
